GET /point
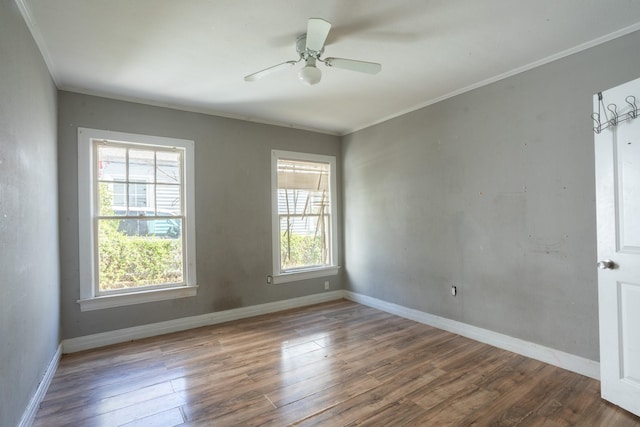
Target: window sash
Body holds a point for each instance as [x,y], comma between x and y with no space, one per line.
[325,241]
[312,177]
[139,181]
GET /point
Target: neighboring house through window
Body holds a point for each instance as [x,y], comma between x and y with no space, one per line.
[304,216]
[137,239]
[137,194]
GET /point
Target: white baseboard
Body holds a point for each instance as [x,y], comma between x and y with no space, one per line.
[72,345]
[548,355]
[34,404]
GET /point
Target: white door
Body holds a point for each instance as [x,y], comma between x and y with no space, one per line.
[617,152]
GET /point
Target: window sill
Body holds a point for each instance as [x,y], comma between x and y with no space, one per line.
[110,301]
[305,274]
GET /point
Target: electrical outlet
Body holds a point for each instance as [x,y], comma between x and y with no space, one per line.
[269,279]
[326,285]
[454,290]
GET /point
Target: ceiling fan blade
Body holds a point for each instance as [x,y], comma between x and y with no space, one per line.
[317,32]
[353,65]
[260,74]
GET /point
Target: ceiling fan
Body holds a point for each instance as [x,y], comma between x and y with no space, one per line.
[309,47]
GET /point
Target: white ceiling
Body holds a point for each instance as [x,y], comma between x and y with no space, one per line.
[193,54]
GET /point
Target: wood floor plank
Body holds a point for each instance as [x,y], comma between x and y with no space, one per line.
[72,398]
[315,403]
[332,364]
[300,390]
[326,365]
[170,418]
[398,413]
[116,417]
[362,406]
[231,409]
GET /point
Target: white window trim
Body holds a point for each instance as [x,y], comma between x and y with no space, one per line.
[86,211]
[279,276]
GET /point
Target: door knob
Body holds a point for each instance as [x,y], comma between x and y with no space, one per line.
[607,264]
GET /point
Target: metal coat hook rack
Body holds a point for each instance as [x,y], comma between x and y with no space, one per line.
[613,118]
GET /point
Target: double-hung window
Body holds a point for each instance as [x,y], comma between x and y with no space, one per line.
[137,240]
[303,192]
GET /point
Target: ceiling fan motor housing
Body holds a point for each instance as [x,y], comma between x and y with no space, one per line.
[301,48]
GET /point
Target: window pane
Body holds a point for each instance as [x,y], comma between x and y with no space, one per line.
[304,241]
[168,199]
[119,194]
[141,195]
[107,195]
[134,253]
[168,167]
[303,175]
[141,166]
[111,163]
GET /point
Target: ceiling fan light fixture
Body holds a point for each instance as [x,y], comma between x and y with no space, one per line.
[309,75]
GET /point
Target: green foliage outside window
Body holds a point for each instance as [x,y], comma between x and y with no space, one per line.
[129,261]
[298,250]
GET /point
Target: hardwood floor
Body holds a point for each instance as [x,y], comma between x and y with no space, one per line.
[333,364]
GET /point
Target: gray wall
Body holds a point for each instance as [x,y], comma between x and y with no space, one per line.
[29,273]
[233,208]
[492,191]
